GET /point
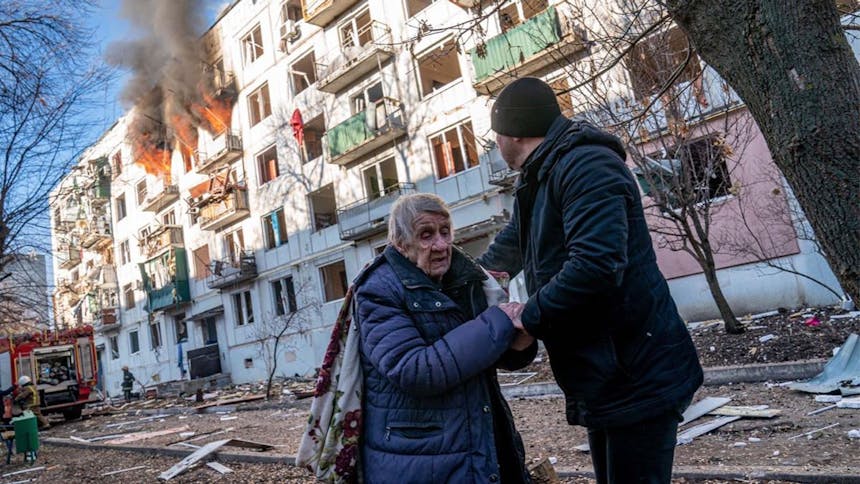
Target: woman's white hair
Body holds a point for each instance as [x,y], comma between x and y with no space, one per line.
[401,228]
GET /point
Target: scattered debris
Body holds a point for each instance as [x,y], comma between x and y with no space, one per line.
[225,418]
[851,315]
[854,434]
[811,432]
[766,338]
[828,398]
[134,437]
[543,472]
[757,411]
[812,322]
[839,374]
[688,435]
[583,448]
[230,401]
[703,407]
[754,439]
[821,410]
[848,403]
[192,459]
[124,470]
[25,471]
[221,468]
[739,444]
[517,378]
[76,438]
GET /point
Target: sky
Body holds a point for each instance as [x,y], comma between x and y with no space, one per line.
[109,26]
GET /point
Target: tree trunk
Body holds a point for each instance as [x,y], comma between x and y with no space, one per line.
[733,326]
[792,66]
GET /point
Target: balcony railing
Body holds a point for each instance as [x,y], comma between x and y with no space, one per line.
[524,50]
[161,238]
[100,191]
[106,316]
[229,272]
[98,231]
[162,198]
[165,280]
[222,211]
[71,256]
[368,217]
[225,148]
[365,131]
[344,65]
[322,12]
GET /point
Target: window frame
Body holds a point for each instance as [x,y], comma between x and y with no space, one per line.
[157,335]
[121,208]
[128,298]
[451,168]
[263,165]
[113,347]
[252,45]
[273,238]
[136,340]
[278,287]
[259,105]
[328,286]
[243,308]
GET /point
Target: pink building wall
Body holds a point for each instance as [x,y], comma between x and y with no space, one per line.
[754,218]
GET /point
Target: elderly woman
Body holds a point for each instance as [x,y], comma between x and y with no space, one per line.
[430,346]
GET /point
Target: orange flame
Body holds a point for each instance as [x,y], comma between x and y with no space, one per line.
[151,153]
[215,112]
[186,134]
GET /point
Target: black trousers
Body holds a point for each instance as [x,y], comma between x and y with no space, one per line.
[639,453]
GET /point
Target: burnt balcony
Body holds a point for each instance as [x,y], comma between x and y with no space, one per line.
[106,317]
[365,131]
[218,212]
[322,12]
[368,217]
[70,256]
[98,232]
[232,271]
[162,197]
[527,49]
[345,65]
[161,238]
[225,148]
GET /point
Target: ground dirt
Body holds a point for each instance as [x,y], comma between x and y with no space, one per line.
[755,444]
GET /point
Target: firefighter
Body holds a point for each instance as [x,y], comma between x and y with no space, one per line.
[28,399]
[127,383]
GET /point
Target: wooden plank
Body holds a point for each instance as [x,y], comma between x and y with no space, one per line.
[247,444]
[249,398]
[702,408]
[111,473]
[691,433]
[147,435]
[221,468]
[192,459]
[749,412]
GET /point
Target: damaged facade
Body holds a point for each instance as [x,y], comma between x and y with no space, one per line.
[205,221]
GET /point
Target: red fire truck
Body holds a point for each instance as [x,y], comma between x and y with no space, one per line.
[62,364]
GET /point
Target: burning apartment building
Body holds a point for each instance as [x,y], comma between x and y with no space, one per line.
[252,177]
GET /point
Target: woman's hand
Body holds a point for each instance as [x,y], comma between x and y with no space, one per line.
[514,310]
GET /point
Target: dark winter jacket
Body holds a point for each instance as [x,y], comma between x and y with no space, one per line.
[617,346]
[433,411]
[127,380]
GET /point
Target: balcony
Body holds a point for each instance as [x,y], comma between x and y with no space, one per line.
[524,50]
[71,256]
[322,12]
[345,65]
[160,239]
[162,198]
[97,233]
[229,272]
[165,280]
[219,212]
[100,191]
[365,132]
[368,217]
[106,317]
[224,149]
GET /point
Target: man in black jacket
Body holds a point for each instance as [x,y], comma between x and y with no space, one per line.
[617,346]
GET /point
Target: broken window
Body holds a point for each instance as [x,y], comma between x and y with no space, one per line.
[120,207]
[113,343]
[128,296]
[454,150]
[313,135]
[259,106]
[275,228]
[439,67]
[180,328]
[252,45]
[303,73]
[653,62]
[234,245]
[141,191]
[134,342]
[284,294]
[367,97]
[169,218]
[356,32]
[243,309]
[202,263]
[124,252]
[515,13]
[155,335]
[380,178]
[561,87]
[267,165]
[323,207]
[334,281]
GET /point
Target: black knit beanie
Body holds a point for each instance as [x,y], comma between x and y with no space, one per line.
[525,109]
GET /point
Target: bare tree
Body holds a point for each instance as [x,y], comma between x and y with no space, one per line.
[276,333]
[46,87]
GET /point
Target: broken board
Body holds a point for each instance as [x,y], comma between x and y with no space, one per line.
[249,398]
[702,408]
[747,411]
[221,468]
[691,433]
[192,459]
[147,435]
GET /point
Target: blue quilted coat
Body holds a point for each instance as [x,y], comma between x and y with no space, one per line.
[433,411]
